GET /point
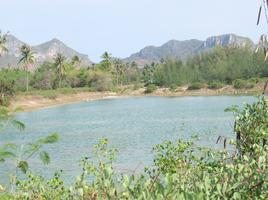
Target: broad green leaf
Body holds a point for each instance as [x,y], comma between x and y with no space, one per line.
[78,177]
[80,191]
[237,195]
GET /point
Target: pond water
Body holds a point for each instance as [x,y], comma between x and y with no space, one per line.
[135,125]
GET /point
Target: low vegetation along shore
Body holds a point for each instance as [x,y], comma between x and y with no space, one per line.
[43,99]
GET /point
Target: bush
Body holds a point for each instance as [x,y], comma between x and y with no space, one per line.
[196,86]
[6,92]
[239,83]
[52,95]
[215,85]
[249,85]
[146,84]
[137,86]
[173,87]
[254,80]
[150,88]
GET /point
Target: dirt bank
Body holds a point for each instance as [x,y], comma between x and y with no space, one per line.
[32,102]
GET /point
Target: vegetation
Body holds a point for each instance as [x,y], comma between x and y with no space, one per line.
[173,87]
[3,40]
[27,58]
[60,64]
[150,88]
[196,86]
[215,85]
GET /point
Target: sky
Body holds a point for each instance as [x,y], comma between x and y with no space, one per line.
[123,27]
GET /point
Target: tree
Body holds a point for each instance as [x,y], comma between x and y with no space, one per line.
[27,57]
[117,64]
[106,56]
[60,64]
[76,61]
[3,40]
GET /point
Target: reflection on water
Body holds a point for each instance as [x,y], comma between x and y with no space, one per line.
[135,125]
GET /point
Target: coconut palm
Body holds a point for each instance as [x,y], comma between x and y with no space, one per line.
[27,58]
[117,64]
[3,40]
[76,61]
[106,56]
[60,64]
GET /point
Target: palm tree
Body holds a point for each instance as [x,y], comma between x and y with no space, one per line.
[3,40]
[106,56]
[27,57]
[117,64]
[76,61]
[60,64]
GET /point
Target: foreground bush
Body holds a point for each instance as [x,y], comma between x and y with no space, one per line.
[196,86]
[6,92]
[239,83]
[150,88]
[215,85]
[173,87]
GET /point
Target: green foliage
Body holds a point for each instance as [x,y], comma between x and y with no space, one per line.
[52,95]
[6,92]
[239,83]
[147,83]
[196,86]
[25,150]
[215,85]
[150,88]
[137,86]
[173,87]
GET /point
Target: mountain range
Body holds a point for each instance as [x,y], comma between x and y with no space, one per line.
[172,48]
[44,52]
[181,48]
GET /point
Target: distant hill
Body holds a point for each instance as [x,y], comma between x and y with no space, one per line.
[45,52]
[181,48]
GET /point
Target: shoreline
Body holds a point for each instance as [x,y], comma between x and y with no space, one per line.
[34,102]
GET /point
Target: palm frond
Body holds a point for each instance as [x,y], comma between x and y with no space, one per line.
[24,167]
[18,125]
[44,156]
[34,145]
[7,154]
[10,145]
[52,138]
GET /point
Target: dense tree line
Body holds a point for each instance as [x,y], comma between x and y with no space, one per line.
[224,64]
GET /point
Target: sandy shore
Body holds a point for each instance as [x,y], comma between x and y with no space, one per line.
[33,102]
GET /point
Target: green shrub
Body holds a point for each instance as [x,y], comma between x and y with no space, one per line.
[249,85]
[173,87]
[150,88]
[215,85]
[239,83]
[196,86]
[228,81]
[6,92]
[137,86]
[147,83]
[52,95]
[254,80]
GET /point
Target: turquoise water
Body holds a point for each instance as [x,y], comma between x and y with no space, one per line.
[135,125]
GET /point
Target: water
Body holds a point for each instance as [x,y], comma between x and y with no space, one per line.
[135,125]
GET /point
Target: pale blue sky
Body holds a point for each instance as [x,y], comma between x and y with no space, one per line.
[122,27]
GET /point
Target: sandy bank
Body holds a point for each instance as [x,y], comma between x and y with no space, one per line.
[33,102]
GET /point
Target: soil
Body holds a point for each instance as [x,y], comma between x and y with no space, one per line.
[33,102]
